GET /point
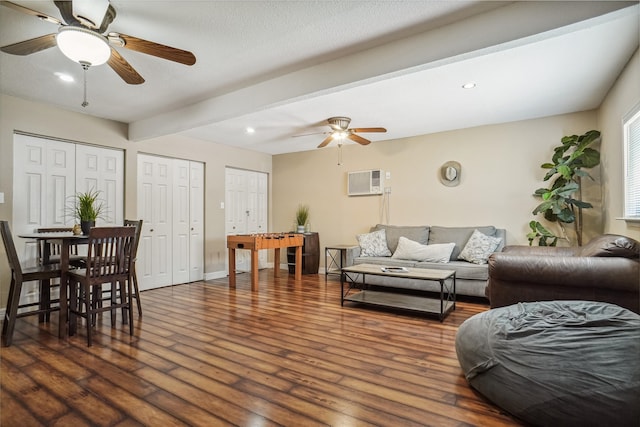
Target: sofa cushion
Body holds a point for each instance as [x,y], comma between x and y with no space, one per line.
[479,247]
[408,249]
[612,245]
[417,233]
[373,244]
[457,235]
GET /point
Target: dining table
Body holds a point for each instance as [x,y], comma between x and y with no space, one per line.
[65,240]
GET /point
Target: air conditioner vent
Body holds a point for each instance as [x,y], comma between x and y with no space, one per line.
[365,183]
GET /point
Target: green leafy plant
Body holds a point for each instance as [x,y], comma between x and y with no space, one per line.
[302,215]
[562,202]
[87,207]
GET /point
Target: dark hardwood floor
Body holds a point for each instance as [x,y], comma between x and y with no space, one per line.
[206,355]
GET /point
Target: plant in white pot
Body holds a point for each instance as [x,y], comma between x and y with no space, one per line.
[302,217]
[87,208]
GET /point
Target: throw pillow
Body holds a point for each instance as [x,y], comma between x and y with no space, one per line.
[479,247]
[414,251]
[373,244]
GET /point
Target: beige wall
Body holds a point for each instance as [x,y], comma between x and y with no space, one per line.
[500,172]
[622,97]
[25,116]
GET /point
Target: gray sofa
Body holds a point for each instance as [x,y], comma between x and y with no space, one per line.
[471,278]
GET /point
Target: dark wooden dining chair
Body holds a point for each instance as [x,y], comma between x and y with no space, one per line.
[49,252]
[21,274]
[134,277]
[109,259]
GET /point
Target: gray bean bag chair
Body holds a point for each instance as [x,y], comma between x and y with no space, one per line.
[556,363]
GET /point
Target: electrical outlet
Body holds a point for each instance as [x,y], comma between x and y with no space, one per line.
[387,190]
[387,175]
[221,205]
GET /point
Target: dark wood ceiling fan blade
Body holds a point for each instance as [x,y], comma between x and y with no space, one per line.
[358,139]
[368,130]
[159,50]
[30,46]
[31,12]
[326,141]
[124,69]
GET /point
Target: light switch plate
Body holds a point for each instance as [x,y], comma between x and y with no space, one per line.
[1,197]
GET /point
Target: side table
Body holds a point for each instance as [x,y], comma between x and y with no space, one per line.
[334,259]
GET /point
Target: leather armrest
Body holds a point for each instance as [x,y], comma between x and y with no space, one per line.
[541,250]
[597,272]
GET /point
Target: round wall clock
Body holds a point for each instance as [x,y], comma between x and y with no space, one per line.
[450,173]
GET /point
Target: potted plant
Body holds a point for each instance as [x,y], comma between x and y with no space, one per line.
[87,208]
[562,202]
[302,217]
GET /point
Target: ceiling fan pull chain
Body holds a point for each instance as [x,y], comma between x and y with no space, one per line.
[85,67]
[339,154]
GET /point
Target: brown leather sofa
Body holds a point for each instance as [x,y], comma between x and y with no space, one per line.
[605,269]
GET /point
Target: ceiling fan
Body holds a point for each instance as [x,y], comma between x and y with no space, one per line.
[340,131]
[81,38]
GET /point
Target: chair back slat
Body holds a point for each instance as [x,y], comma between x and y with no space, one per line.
[10,249]
[138,225]
[109,253]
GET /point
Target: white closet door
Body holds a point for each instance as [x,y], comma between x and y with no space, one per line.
[102,170]
[261,212]
[171,205]
[236,213]
[43,184]
[181,221]
[196,240]
[155,187]
[246,210]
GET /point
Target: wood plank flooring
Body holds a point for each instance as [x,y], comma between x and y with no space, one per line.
[205,355]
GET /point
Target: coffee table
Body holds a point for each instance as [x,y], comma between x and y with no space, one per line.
[360,292]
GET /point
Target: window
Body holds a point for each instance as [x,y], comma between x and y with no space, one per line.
[631,129]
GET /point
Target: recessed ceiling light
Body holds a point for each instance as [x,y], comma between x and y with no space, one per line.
[250,130]
[469,85]
[65,77]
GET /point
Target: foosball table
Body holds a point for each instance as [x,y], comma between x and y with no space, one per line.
[256,242]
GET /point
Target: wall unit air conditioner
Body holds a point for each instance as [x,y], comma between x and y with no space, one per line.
[365,183]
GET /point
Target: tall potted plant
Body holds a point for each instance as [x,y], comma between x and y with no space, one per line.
[302,217]
[87,208]
[562,202]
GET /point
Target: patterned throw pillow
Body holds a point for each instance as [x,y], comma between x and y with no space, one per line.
[373,244]
[479,247]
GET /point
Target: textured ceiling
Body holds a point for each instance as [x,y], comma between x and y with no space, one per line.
[284,67]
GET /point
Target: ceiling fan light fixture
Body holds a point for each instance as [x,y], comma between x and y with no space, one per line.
[82,45]
[340,135]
